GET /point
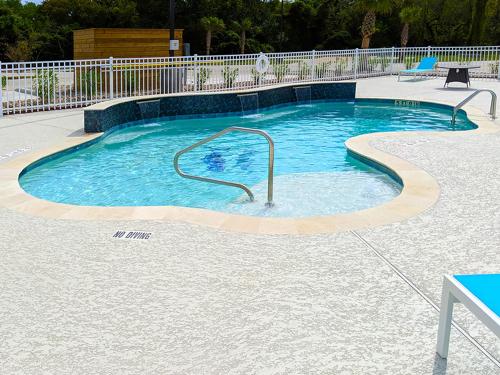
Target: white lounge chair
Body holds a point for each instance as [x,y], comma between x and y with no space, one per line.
[479,293]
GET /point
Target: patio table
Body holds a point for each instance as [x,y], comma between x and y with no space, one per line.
[458,73]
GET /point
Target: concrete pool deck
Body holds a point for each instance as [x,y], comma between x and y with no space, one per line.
[197,300]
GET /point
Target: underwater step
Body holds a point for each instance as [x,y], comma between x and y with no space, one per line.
[323,193]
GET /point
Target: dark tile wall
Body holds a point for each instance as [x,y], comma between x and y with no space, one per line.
[217,103]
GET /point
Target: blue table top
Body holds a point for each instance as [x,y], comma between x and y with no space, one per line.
[486,287]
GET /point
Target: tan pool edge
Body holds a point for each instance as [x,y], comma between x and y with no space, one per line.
[420,192]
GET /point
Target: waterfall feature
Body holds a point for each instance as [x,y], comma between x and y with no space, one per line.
[249,103]
[149,109]
[303,94]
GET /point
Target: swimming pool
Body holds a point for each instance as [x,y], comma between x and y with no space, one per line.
[314,174]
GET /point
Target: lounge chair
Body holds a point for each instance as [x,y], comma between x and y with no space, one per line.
[479,293]
[425,66]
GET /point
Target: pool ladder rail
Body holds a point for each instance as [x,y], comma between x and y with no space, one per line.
[270,173]
[493,105]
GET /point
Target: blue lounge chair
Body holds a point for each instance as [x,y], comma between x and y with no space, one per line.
[479,293]
[426,65]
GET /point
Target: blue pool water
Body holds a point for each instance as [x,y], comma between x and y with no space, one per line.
[314,175]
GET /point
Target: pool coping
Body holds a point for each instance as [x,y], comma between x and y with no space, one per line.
[420,191]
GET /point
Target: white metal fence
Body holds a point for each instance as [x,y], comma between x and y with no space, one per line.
[48,85]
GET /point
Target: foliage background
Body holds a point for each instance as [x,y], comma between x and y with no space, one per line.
[44,31]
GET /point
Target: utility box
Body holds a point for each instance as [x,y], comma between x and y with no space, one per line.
[104,43]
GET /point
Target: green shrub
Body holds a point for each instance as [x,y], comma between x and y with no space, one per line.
[321,69]
[202,77]
[304,70]
[409,61]
[384,62]
[494,68]
[90,83]
[229,75]
[129,79]
[340,65]
[46,84]
[463,60]
[4,81]
[280,70]
[373,62]
[256,76]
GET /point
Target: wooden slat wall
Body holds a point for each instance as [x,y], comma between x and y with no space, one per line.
[103,43]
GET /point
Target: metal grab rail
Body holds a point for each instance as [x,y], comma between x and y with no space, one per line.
[229,183]
[493,105]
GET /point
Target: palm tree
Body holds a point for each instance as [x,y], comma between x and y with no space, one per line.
[408,16]
[242,28]
[372,7]
[211,25]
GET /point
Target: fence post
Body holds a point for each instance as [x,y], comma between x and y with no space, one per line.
[429,51]
[1,88]
[313,65]
[195,72]
[392,60]
[259,74]
[111,79]
[498,67]
[356,62]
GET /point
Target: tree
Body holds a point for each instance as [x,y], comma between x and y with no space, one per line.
[408,16]
[211,25]
[44,30]
[478,21]
[371,8]
[301,25]
[21,51]
[242,28]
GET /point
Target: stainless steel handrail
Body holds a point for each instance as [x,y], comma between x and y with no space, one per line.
[493,105]
[270,172]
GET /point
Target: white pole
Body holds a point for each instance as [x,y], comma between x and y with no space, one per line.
[259,74]
[356,61]
[111,80]
[195,73]
[392,61]
[498,69]
[1,88]
[313,65]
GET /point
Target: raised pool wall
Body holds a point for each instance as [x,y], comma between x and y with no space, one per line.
[127,110]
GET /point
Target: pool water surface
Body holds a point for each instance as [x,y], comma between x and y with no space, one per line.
[314,174]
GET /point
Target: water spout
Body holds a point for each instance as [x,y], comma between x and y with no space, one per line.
[149,109]
[249,103]
[303,94]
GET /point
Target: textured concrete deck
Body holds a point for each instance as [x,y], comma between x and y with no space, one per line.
[192,300]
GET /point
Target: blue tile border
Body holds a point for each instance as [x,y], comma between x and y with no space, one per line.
[210,105]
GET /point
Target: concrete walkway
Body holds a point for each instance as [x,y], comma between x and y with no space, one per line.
[192,300]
